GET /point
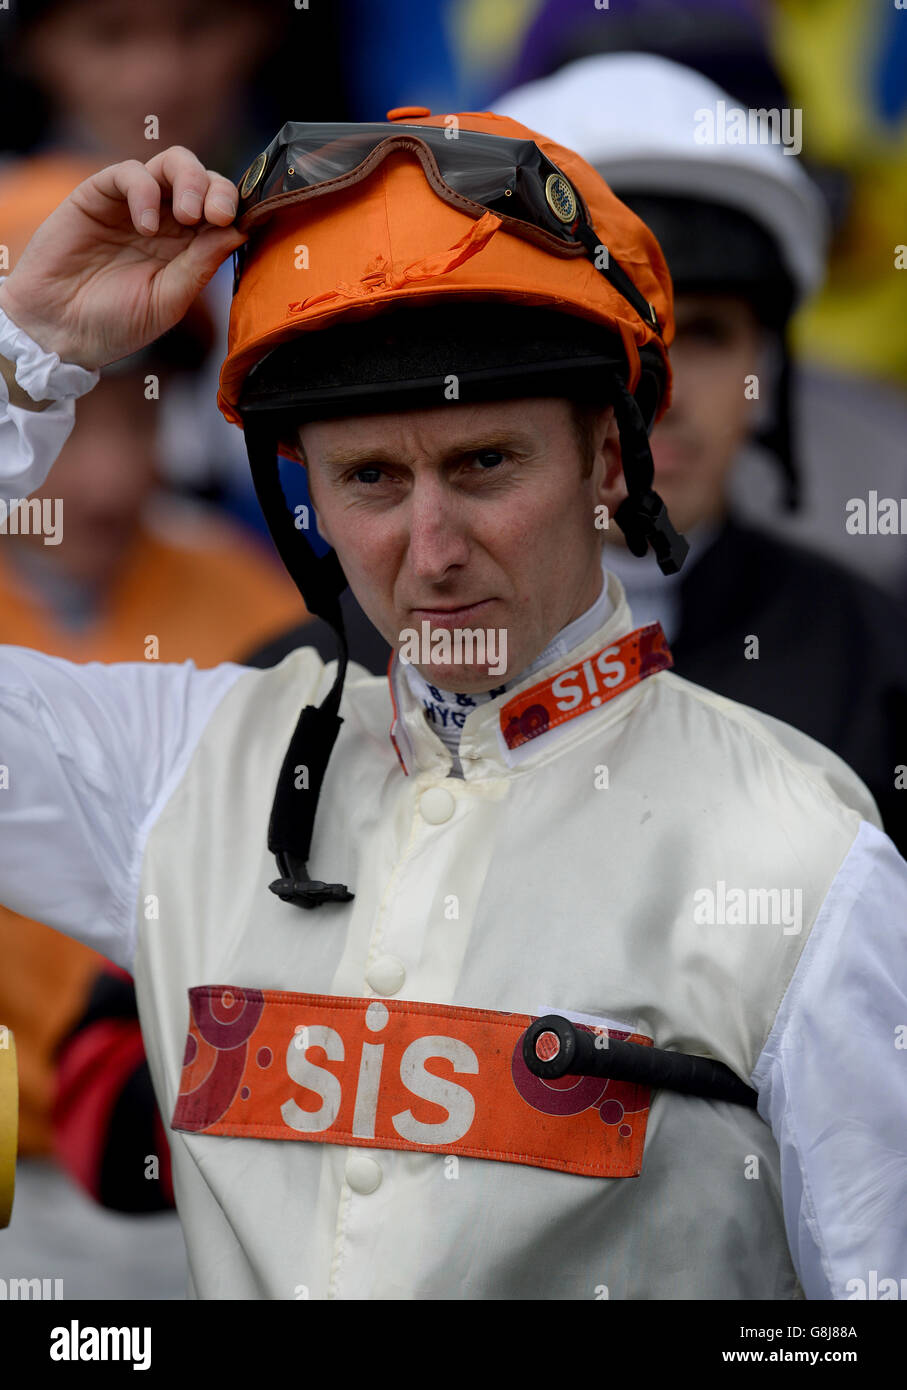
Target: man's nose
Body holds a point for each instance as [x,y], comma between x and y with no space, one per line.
[438,538]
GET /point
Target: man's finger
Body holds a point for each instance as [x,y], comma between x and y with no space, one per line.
[193,268]
[129,181]
[222,199]
[186,179]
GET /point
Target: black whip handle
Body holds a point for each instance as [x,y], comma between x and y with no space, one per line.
[554,1047]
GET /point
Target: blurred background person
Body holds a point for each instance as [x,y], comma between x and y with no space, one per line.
[766,622]
[94,75]
[124,79]
[110,568]
[843,65]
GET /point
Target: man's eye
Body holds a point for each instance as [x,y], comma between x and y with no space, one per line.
[706,330]
[488,458]
[373,475]
[109,32]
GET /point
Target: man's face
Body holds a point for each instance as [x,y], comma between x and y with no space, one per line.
[717,346]
[108,64]
[467,517]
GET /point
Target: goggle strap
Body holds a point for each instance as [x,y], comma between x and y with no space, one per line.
[616,275]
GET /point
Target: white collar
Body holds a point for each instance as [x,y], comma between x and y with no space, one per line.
[446,710]
[483,750]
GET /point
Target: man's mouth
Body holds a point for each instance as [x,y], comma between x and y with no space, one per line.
[451,617]
[672,457]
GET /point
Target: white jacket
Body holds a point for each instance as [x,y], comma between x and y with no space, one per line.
[135,819]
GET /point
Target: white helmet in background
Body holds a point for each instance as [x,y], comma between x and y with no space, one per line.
[740,218]
[639,119]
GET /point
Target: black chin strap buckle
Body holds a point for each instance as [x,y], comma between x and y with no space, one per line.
[297,888]
[644,521]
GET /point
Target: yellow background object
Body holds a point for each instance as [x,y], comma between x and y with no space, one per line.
[843,62]
[9,1123]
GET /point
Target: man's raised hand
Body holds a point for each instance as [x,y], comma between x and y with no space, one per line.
[122,258]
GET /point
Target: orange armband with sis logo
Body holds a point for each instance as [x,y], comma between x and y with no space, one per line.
[397,1074]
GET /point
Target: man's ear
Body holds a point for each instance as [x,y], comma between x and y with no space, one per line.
[608,466]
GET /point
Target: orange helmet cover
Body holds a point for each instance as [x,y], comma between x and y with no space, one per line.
[392,239]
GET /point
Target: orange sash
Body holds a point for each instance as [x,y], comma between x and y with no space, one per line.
[394,1074]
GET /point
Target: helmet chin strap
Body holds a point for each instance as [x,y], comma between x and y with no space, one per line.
[643,516]
[320,581]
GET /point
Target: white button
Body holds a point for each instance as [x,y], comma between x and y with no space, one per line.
[363,1174]
[387,974]
[437,805]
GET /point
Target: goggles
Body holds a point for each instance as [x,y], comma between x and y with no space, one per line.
[472,171]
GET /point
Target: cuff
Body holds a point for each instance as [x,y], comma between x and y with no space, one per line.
[41,374]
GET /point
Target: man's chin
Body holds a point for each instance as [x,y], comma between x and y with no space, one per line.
[461,680]
[467,659]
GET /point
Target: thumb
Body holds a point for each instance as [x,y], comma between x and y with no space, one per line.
[191,270]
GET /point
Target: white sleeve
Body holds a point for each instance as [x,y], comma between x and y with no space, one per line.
[31,440]
[89,755]
[832,1081]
